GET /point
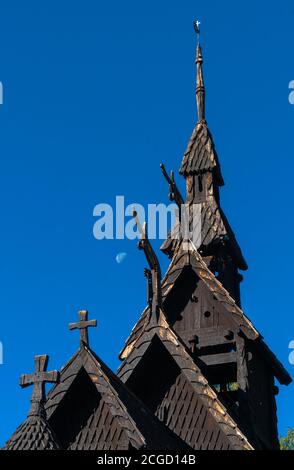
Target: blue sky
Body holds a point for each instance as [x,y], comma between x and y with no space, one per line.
[96,95]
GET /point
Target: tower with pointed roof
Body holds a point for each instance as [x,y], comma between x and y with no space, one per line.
[202,308]
[202,172]
[195,372]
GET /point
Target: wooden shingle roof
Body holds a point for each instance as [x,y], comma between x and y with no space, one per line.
[200,155]
[214,428]
[214,226]
[187,255]
[119,421]
[34,434]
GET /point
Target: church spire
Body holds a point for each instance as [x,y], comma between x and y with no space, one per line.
[200,90]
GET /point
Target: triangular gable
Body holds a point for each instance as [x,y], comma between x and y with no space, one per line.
[217,423]
[117,421]
[187,255]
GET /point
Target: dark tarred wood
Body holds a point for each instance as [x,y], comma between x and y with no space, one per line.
[83,324]
[38,380]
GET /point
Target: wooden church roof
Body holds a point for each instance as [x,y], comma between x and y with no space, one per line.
[200,155]
[35,433]
[187,255]
[206,424]
[214,226]
[160,398]
[118,420]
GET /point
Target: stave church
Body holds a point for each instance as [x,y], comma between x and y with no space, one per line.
[195,373]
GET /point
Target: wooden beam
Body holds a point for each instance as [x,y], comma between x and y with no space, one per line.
[215,359]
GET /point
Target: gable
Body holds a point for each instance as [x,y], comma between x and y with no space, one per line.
[83,403]
[154,367]
[159,382]
[74,410]
[92,409]
[192,309]
[189,257]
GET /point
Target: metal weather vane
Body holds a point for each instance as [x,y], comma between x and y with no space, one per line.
[196,25]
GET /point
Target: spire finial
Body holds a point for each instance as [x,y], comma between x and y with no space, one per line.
[200,90]
[196,25]
[38,380]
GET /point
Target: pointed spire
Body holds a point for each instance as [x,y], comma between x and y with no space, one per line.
[200,90]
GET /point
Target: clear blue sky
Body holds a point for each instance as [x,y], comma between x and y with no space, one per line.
[96,94]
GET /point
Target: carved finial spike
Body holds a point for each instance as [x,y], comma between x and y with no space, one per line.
[141,230]
[174,193]
[154,273]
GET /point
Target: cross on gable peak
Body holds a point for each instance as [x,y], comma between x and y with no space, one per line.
[83,324]
[38,379]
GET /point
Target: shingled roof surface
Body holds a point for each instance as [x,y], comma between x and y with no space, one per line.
[214,226]
[198,416]
[120,421]
[200,155]
[187,255]
[34,434]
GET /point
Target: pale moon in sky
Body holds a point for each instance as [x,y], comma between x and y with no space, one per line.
[120,257]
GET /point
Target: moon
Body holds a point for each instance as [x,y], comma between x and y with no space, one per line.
[120,257]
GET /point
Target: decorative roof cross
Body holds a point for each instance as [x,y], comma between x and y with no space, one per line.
[83,324]
[38,380]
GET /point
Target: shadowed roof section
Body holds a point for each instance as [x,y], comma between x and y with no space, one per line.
[123,414]
[214,226]
[187,255]
[214,409]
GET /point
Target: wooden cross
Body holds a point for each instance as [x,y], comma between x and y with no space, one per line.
[38,380]
[83,324]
